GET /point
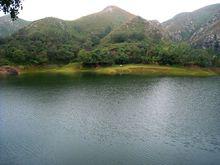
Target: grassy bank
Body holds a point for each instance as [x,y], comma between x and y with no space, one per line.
[150,70]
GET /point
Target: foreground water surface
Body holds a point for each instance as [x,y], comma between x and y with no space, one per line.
[96,120]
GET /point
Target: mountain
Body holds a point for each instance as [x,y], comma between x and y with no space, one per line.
[184,25]
[8,27]
[48,31]
[137,29]
[109,18]
[96,26]
[208,36]
[48,39]
[115,36]
[57,40]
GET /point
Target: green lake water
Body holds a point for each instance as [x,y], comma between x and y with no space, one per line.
[109,120]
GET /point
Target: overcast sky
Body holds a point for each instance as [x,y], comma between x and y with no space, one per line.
[160,10]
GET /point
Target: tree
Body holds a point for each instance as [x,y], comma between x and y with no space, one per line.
[17,55]
[60,55]
[11,6]
[85,57]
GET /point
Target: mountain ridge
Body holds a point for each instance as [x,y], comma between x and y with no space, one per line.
[182,26]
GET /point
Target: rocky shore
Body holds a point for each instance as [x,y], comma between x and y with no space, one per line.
[8,70]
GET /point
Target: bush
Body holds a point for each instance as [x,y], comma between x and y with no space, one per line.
[95,57]
[119,37]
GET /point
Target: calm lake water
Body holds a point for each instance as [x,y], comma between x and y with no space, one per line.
[109,120]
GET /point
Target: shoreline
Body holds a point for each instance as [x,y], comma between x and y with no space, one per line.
[129,69]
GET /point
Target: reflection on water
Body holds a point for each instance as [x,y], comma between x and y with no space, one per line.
[90,119]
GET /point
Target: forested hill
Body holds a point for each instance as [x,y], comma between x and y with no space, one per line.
[111,36]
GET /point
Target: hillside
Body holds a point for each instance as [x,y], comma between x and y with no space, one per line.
[184,25]
[8,27]
[137,29]
[58,41]
[208,36]
[47,30]
[108,19]
[48,39]
[96,26]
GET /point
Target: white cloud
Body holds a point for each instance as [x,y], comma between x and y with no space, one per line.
[70,9]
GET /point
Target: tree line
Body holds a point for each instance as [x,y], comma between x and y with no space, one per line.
[163,53]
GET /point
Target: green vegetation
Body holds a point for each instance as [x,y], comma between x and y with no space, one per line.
[138,69]
[145,52]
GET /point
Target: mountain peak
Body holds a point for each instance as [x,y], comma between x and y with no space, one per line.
[110,8]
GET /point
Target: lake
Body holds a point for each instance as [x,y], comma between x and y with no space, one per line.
[109,120]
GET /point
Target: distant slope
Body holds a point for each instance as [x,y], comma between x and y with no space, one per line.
[137,29]
[208,36]
[8,27]
[184,25]
[47,30]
